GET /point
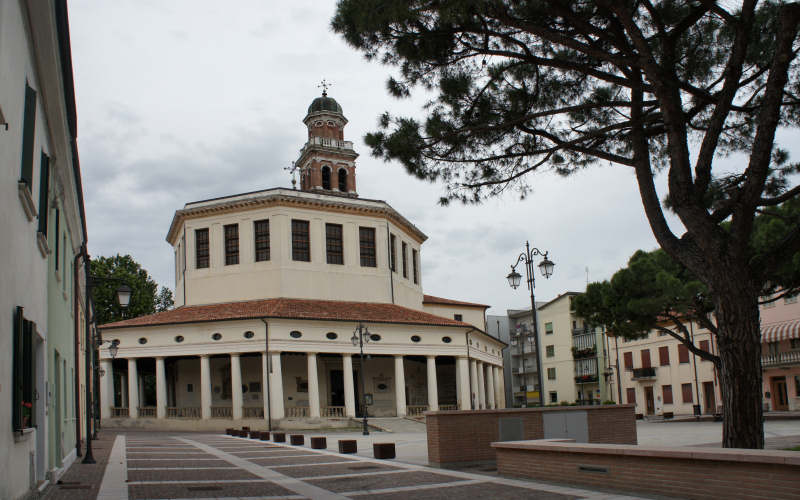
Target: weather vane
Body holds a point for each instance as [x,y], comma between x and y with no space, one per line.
[324,84]
[292,169]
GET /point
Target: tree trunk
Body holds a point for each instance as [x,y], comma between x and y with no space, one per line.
[739,342]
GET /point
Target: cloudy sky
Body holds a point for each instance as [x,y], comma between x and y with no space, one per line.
[187,100]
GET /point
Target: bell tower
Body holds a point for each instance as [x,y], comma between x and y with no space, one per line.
[327,162]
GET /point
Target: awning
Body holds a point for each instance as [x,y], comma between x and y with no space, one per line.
[775,332]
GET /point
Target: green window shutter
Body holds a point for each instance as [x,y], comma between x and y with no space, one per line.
[17,370]
[27,368]
[28,129]
[44,186]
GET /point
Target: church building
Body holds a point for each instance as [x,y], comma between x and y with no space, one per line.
[272,288]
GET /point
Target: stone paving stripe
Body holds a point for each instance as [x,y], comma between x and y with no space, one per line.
[236,489]
[355,474]
[403,489]
[338,462]
[184,464]
[316,470]
[188,475]
[382,481]
[181,468]
[113,486]
[166,453]
[200,481]
[170,459]
[299,487]
[474,490]
[281,497]
[275,462]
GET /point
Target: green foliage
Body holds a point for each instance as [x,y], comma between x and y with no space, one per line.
[123,269]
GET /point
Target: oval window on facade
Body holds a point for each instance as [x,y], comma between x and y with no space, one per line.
[249,335]
[179,338]
[295,334]
[374,337]
[331,335]
[142,340]
[415,338]
[446,340]
[216,336]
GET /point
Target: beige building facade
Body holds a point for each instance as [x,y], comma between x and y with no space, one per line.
[271,287]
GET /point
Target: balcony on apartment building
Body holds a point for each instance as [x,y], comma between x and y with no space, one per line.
[645,373]
[781,359]
[584,343]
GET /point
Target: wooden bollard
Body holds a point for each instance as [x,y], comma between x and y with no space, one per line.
[297,439]
[319,443]
[383,450]
[348,446]
[279,437]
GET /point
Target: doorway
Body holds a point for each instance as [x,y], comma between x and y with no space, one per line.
[337,388]
[709,398]
[648,398]
[780,400]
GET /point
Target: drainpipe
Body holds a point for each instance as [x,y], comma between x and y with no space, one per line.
[76,299]
[269,371]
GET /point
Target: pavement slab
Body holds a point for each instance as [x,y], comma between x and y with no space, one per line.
[208,490]
[364,481]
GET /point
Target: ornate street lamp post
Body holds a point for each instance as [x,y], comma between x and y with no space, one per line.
[124,297]
[514,278]
[360,337]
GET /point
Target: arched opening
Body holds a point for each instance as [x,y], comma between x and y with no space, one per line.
[326,177]
[342,180]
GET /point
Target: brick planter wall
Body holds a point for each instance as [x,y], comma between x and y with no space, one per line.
[684,472]
[461,437]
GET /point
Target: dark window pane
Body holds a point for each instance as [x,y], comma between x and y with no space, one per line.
[44,186]
[686,389]
[57,231]
[392,252]
[333,243]
[645,358]
[342,180]
[261,228]
[367,245]
[415,265]
[201,247]
[28,129]
[231,244]
[405,260]
[301,247]
[326,178]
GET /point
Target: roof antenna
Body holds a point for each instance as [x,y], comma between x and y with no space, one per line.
[324,84]
[587,275]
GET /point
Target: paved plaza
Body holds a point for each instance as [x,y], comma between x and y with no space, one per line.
[156,465]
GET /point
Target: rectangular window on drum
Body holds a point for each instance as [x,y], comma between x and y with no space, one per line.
[333,243]
[231,244]
[404,256]
[301,245]
[201,248]
[393,252]
[415,266]
[366,237]
[261,232]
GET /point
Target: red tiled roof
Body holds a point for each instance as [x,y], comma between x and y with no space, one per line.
[430,299]
[334,310]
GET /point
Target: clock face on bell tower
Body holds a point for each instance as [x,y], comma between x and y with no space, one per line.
[327,162]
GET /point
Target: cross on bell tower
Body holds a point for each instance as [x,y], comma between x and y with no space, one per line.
[327,161]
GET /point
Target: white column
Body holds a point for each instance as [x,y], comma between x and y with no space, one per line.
[133,389]
[473,378]
[349,387]
[161,388]
[205,387]
[106,388]
[433,390]
[264,382]
[400,385]
[276,386]
[481,387]
[313,385]
[236,387]
[498,392]
[490,387]
[462,372]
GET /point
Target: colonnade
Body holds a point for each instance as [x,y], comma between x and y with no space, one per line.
[479,385]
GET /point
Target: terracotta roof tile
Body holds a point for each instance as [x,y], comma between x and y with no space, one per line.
[334,310]
[430,299]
